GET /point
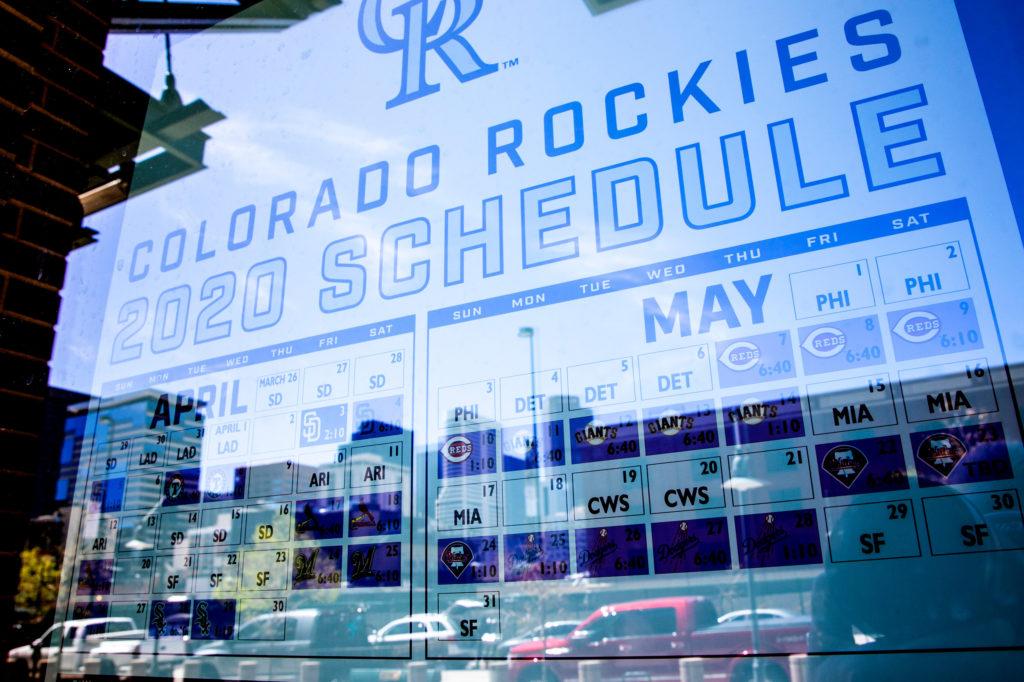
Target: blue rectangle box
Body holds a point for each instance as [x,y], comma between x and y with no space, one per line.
[931,330]
[519,451]
[604,437]
[324,425]
[377,418]
[467,454]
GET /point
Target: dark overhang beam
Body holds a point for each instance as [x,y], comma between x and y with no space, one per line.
[136,16]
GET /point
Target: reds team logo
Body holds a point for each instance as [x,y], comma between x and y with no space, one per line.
[457,449]
[426,26]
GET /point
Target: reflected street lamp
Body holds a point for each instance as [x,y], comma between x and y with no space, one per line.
[529,333]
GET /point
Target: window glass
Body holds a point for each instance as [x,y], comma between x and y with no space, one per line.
[415,325]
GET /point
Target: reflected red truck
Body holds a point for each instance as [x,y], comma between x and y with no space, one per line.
[647,638]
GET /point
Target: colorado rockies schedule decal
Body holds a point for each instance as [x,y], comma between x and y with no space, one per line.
[701,448]
[639,323]
[225,494]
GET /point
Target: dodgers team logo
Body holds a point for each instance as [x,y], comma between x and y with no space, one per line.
[423,32]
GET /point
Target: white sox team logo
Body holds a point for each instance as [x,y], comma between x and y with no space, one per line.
[423,31]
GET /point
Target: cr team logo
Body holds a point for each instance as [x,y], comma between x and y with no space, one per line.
[423,31]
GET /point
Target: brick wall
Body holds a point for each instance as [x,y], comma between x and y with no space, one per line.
[51,78]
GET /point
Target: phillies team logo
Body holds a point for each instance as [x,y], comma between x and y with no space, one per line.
[845,464]
[456,557]
[942,452]
[423,31]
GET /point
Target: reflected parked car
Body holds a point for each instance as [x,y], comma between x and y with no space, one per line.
[71,640]
[553,628]
[632,640]
[744,615]
[416,628]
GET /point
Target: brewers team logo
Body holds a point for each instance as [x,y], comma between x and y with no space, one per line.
[457,449]
[942,452]
[740,356]
[426,26]
[845,464]
[825,342]
[917,326]
[361,563]
[456,557]
[305,565]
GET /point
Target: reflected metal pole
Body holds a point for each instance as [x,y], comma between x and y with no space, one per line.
[755,632]
[524,333]
[528,333]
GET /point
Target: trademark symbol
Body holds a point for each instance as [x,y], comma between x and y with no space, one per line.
[120,264]
[509,63]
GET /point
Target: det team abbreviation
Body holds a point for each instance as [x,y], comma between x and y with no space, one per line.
[628,201]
